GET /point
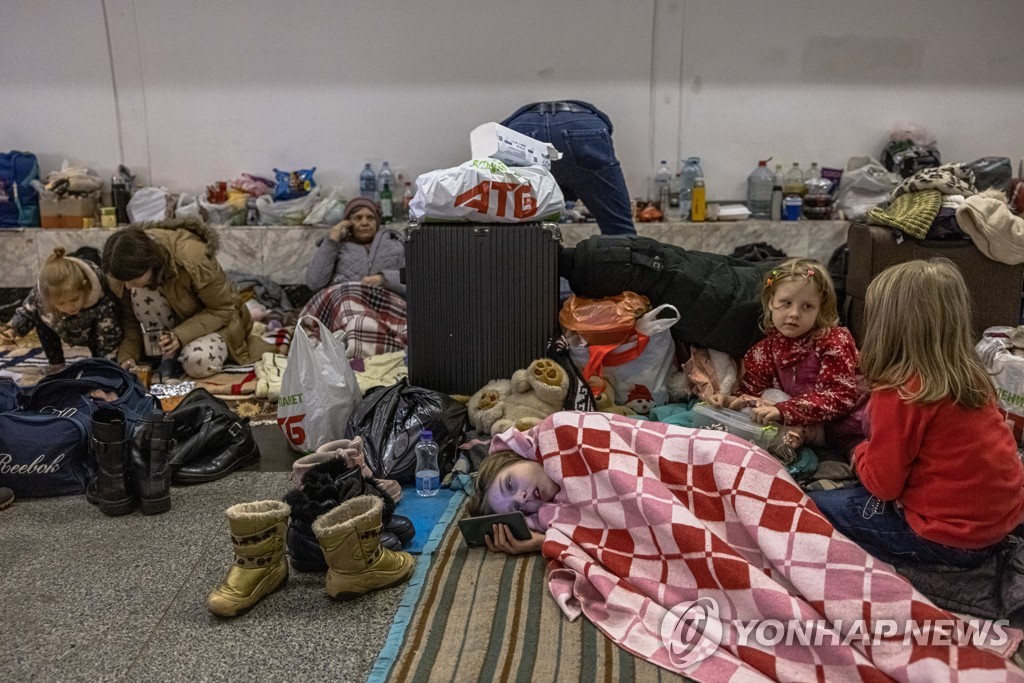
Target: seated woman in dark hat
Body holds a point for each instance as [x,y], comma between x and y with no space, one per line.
[355,274]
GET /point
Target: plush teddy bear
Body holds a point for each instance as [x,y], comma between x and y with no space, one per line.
[521,402]
[604,397]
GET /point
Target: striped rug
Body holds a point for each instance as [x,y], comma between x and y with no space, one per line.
[484,616]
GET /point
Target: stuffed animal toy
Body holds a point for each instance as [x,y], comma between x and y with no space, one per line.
[604,397]
[522,401]
[640,399]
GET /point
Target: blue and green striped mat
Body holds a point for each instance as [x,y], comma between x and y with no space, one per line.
[481,616]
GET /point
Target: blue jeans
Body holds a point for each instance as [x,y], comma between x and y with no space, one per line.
[879,527]
[588,169]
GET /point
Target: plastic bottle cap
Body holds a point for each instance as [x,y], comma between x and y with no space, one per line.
[426,435]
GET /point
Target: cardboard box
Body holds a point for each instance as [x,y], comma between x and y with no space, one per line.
[67,212]
[514,149]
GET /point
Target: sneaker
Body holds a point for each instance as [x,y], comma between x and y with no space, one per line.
[6,497]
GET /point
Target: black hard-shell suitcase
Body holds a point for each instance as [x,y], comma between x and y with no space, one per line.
[995,287]
[482,300]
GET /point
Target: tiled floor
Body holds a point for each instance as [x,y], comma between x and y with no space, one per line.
[88,597]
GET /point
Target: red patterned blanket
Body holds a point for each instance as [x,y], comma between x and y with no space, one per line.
[696,551]
[372,320]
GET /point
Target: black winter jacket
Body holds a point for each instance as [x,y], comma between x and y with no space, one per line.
[718,297]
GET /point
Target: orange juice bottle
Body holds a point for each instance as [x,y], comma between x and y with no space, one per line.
[698,212]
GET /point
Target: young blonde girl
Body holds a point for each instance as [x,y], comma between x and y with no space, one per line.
[938,446]
[806,358]
[71,303]
[507,482]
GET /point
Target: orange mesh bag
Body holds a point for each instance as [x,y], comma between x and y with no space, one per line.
[610,320]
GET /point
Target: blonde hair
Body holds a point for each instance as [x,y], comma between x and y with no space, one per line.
[490,468]
[801,269]
[60,278]
[917,322]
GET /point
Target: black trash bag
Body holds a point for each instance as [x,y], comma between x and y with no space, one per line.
[390,420]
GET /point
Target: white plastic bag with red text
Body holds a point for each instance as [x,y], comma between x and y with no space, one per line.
[318,389]
[487,191]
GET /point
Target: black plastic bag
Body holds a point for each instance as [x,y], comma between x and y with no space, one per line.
[390,420]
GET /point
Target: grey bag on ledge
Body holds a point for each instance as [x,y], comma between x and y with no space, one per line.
[992,172]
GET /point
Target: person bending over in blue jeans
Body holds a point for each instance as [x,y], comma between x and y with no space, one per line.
[588,169]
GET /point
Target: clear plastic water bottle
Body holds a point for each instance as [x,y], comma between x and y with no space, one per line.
[690,172]
[793,181]
[759,190]
[368,182]
[428,475]
[385,177]
[663,185]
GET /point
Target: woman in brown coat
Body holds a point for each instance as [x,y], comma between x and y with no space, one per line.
[167,276]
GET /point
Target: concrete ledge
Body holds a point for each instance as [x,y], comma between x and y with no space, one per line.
[282,252]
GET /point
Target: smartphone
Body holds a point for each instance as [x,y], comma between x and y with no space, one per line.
[475,528]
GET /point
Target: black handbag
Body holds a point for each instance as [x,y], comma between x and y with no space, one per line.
[210,440]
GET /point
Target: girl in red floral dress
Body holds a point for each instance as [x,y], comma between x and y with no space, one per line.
[804,373]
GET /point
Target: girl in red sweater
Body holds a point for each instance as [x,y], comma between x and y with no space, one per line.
[942,483]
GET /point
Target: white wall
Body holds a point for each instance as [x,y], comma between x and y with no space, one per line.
[193,91]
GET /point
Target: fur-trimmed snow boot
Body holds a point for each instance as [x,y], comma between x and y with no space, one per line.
[350,538]
[259,569]
[111,489]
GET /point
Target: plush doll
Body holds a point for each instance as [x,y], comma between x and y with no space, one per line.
[521,402]
[604,397]
[640,399]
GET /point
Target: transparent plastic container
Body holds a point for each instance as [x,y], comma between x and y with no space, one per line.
[688,175]
[428,475]
[759,191]
[736,423]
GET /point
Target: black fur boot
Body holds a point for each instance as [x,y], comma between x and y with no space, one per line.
[325,487]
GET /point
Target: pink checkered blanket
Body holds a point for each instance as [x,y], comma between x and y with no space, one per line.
[696,551]
[372,319]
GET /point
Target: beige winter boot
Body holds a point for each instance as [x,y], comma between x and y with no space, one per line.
[260,568]
[349,535]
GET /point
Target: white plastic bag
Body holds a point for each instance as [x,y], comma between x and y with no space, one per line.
[865,184]
[328,211]
[187,207]
[289,212]
[231,212]
[1007,372]
[638,369]
[488,191]
[318,390]
[150,204]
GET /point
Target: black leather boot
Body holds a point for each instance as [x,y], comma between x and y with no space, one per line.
[151,472]
[111,489]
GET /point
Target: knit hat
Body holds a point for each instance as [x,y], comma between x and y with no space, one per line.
[996,232]
[357,203]
[912,213]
